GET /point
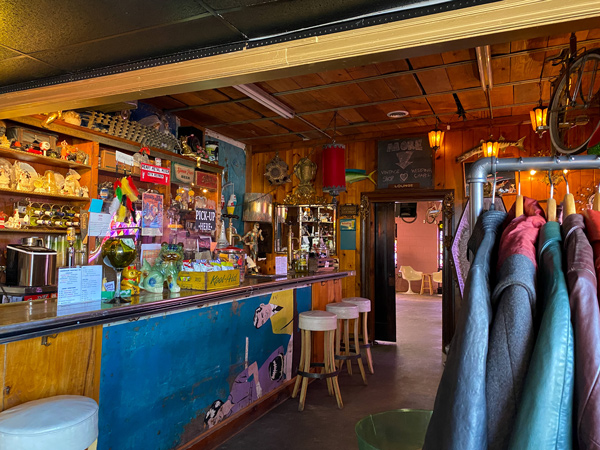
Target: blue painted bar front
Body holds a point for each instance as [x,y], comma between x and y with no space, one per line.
[168,378]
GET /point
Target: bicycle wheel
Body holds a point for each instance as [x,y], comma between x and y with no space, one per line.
[574,113]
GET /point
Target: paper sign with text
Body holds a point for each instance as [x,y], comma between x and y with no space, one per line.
[182,173]
[155,174]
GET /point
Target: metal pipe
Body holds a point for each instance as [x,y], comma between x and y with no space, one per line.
[479,54]
[481,168]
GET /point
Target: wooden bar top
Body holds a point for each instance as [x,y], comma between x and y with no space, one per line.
[24,320]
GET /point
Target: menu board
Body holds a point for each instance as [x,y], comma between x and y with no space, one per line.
[406,162]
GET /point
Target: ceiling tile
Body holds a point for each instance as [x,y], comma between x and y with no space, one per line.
[142,45]
[392,66]
[500,70]
[377,90]
[426,61]
[464,76]
[435,80]
[442,103]
[473,99]
[404,86]
[459,55]
[502,95]
[74,23]
[527,67]
[13,70]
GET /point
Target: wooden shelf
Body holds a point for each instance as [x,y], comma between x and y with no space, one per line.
[34,158]
[117,173]
[43,195]
[36,230]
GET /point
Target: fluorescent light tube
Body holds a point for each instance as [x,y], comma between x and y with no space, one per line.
[266,99]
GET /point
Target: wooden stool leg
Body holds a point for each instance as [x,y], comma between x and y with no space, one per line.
[328,349]
[300,366]
[423,277]
[338,339]
[366,342]
[307,347]
[347,344]
[332,367]
[357,350]
[430,285]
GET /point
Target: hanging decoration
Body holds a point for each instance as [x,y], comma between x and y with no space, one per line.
[277,171]
[539,113]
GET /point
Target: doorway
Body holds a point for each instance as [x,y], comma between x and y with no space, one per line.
[380,266]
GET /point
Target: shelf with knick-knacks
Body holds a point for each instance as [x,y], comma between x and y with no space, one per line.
[313,227]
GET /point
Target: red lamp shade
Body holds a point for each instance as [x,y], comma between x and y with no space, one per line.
[334,169]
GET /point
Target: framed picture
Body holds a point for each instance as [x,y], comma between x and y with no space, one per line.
[505,182]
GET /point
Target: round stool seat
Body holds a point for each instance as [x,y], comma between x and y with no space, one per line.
[343,310]
[64,422]
[364,304]
[317,321]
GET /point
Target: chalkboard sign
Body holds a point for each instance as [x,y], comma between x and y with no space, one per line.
[407,161]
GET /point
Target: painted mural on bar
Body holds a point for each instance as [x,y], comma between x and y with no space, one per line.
[200,377]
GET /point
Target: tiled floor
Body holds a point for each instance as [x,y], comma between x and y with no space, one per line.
[406,376]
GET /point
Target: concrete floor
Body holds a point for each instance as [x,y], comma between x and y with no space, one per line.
[407,374]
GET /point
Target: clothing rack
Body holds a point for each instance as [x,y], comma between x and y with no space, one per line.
[486,166]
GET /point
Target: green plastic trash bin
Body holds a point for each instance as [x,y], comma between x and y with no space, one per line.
[402,429]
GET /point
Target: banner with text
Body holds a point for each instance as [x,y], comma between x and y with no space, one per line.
[155,174]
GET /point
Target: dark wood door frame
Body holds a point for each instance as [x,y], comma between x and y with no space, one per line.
[446,196]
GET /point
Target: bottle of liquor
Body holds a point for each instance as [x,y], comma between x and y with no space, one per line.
[59,223]
[72,213]
[44,222]
[71,223]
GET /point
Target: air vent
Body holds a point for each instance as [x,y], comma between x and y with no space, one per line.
[397,114]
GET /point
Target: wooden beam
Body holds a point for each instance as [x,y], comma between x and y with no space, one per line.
[497,22]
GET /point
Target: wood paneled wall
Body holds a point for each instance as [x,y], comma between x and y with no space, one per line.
[362,154]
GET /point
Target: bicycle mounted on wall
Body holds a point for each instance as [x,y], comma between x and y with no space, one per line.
[574,110]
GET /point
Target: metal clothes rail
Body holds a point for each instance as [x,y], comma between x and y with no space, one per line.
[485,166]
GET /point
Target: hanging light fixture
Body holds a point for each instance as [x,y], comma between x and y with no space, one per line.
[539,113]
[334,167]
[538,119]
[490,148]
[436,137]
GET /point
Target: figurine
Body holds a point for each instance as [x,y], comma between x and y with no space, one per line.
[251,240]
[23,179]
[4,141]
[14,221]
[3,218]
[131,279]
[72,186]
[4,178]
[166,268]
[72,117]
[231,204]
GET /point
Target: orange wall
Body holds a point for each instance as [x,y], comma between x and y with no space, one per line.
[416,246]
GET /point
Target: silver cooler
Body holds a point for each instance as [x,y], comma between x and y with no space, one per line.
[30,264]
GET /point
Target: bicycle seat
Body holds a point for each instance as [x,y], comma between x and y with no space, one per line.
[558,59]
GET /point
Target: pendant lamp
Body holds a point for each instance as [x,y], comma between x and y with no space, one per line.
[490,148]
[334,169]
[538,119]
[436,137]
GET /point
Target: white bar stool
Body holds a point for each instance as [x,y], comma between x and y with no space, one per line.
[364,307]
[310,321]
[346,312]
[64,422]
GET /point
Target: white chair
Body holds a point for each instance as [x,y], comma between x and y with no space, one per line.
[410,274]
[63,422]
[437,277]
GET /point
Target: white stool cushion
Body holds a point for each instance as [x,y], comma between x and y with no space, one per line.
[317,321]
[64,422]
[343,310]
[364,304]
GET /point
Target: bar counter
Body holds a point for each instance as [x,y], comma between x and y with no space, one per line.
[169,371]
[26,320]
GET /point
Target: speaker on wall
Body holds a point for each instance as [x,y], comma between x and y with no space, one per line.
[406,210]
